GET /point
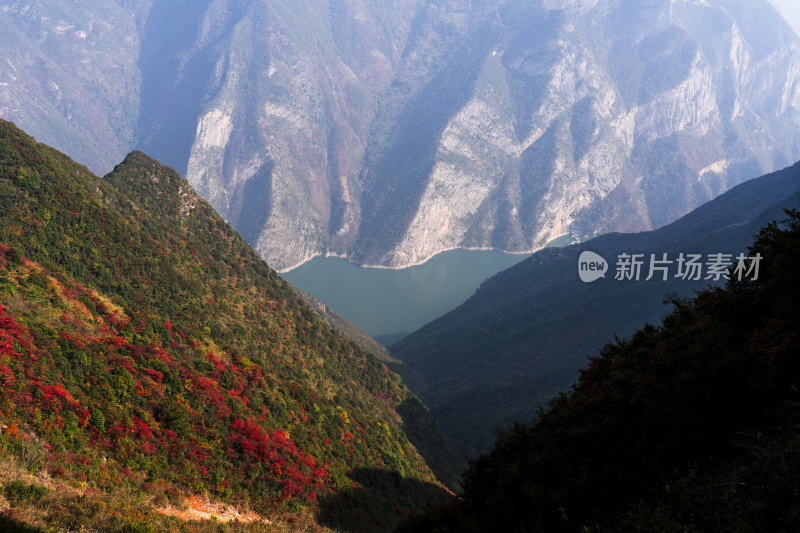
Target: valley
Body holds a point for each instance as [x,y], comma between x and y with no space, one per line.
[524,336]
[364,266]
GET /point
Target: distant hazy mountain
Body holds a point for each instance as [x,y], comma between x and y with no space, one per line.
[388,132]
[522,337]
[69,74]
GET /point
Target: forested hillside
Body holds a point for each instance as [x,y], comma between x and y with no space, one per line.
[691,425]
[147,354]
[523,336]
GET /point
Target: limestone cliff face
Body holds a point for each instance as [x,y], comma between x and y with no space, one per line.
[593,117]
[388,132]
[390,137]
[282,134]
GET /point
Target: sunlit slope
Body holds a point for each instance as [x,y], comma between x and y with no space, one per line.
[146,346]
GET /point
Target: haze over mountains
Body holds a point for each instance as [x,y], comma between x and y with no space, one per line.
[390,132]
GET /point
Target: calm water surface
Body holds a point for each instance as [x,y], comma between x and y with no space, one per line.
[387,302]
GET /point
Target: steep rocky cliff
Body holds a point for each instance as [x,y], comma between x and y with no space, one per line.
[390,132]
[586,117]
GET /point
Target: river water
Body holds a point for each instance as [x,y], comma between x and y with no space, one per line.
[388,303]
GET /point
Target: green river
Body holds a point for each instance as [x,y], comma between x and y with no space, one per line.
[388,303]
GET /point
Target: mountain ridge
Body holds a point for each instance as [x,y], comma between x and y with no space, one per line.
[520,339]
[146,350]
[690,424]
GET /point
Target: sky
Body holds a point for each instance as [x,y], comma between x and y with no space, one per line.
[790,10]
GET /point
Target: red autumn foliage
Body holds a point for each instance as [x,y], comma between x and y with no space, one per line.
[55,396]
[156,376]
[295,471]
[11,331]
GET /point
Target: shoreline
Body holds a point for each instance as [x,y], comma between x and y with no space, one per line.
[409,265]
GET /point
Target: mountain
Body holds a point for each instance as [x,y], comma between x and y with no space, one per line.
[69,74]
[522,337]
[387,133]
[150,360]
[686,426]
